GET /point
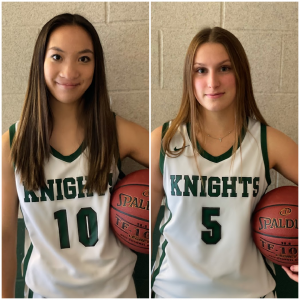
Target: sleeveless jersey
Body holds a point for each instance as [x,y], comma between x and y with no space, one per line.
[73,252]
[206,249]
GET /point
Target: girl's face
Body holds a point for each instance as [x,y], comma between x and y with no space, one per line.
[69,63]
[213,78]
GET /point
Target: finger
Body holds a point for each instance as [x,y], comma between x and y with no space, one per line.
[294,268]
[292,275]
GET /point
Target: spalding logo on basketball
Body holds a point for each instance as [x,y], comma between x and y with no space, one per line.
[275,226]
[129,212]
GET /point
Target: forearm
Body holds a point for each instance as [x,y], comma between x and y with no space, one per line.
[9,268]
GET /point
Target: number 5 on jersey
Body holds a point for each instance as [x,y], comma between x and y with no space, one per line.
[212,236]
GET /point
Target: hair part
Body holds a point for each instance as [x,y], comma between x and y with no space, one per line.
[31,145]
[191,110]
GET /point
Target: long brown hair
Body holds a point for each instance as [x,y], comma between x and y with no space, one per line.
[190,109]
[31,147]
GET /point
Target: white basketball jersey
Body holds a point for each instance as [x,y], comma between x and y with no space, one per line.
[73,252]
[206,249]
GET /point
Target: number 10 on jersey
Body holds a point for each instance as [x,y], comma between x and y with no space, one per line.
[87,227]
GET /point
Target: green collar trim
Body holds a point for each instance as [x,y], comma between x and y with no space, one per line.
[216,159]
[70,158]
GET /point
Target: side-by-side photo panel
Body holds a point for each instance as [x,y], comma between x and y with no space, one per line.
[75,150]
[224,150]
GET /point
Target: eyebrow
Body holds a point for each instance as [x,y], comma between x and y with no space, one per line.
[80,52]
[220,63]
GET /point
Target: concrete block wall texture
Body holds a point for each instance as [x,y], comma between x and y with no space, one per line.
[268,32]
[123,29]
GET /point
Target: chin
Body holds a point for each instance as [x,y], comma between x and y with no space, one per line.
[66,100]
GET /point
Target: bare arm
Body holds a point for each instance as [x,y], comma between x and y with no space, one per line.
[157,191]
[9,222]
[133,141]
[283,154]
[283,157]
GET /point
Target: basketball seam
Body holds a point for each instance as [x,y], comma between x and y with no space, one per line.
[129,215]
[275,236]
[139,184]
[139,246]
[274,205]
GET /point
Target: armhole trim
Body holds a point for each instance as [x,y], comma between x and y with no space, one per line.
[119,163]
[264,150]
[273,274]
[162,152]
[12,131]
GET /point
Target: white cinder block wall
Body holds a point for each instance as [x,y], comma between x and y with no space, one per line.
[267,30]
[123,29]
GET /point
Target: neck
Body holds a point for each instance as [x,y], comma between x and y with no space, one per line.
[64,115]
[218,124]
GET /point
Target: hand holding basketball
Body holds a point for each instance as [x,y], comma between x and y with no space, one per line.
[292,272]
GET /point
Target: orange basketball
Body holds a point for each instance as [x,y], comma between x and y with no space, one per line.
[129,211]
[275,226]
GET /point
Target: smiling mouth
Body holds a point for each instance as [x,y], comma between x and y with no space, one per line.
[68,84]
[216,94]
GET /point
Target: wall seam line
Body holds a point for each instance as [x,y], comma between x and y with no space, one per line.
[281,64]
[222,14]
[107,11]
[160,58]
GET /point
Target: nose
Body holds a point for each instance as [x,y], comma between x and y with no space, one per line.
[69,70]
[213,80]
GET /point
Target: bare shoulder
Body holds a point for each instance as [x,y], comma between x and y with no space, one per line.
[9,191]
[278,142]
[5,137]
[126,127]
[156,136]
[5,146]
[121,122]
[155,145]
[275,134]
[157,191]
[133,141]
[282,154]
[7,167]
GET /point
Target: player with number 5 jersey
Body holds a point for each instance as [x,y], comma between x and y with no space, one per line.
[210,165]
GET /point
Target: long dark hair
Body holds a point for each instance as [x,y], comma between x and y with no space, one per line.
[31,147]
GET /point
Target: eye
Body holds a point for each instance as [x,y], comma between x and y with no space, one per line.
[225,68]
[84,59]
[201,70]
[56,57]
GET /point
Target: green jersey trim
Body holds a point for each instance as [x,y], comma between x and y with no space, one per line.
[164,245]
[162,152]
[271,272]
[216,159]
[68,158]
[264,150]
[55,153]
[26,261]
[30,294]
[119,162]
[12,131]
[27,258]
